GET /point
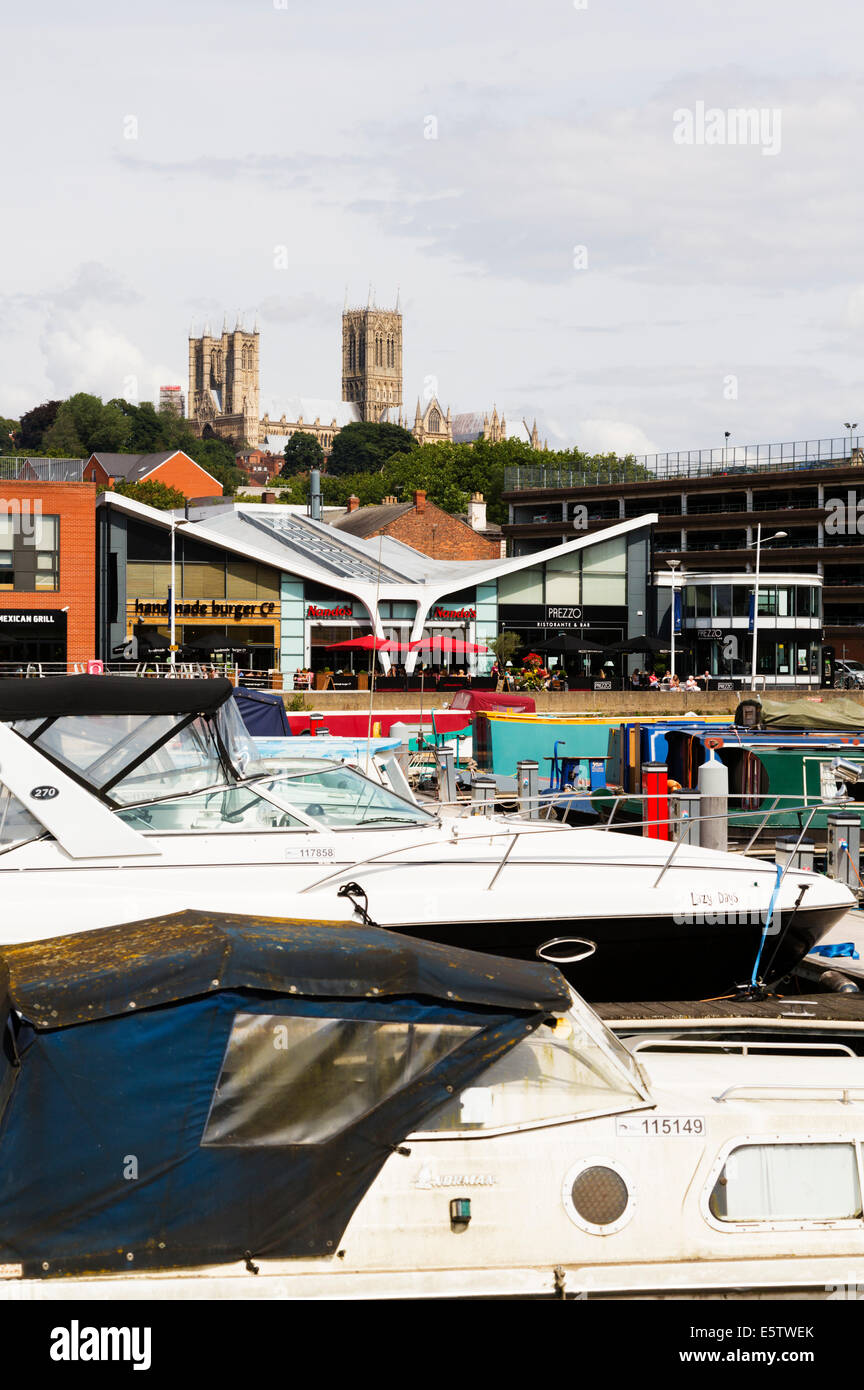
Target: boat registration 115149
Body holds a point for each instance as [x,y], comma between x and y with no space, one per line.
[650,1127]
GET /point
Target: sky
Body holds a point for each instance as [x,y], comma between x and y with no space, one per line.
[579,229]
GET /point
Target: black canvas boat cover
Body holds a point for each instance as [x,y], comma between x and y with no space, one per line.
[54,696]
[206,1089]
[68,979]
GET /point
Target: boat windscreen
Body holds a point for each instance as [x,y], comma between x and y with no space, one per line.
[131,757]
[340,797]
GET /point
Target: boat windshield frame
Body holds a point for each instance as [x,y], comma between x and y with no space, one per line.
[421,817]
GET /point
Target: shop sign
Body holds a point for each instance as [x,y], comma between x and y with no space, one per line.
[345,610]
[45,621]
[204,608]
[602,685]
[452,615]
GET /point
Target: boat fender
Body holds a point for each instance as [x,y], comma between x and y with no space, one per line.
[714,742]
[837,982]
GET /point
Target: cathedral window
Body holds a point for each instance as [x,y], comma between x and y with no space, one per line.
[434,422]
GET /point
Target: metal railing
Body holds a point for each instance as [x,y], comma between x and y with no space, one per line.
[184,670]
[794,455]
[43,470]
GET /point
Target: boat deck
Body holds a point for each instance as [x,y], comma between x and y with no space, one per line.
[824,1008]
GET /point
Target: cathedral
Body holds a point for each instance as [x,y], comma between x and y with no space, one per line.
[224,390]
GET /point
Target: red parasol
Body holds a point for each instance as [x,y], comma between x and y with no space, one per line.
[369,643]
[447,646]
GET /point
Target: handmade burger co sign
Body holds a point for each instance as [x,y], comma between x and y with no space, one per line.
[205,608]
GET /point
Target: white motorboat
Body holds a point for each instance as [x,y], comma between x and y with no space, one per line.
[121,797]
[264,1109]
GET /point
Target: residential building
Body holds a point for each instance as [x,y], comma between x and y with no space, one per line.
[171,467]
[419,523]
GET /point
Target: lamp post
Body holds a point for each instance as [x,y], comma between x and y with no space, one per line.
[172,655]
[673,565]
[780,536]
[850,426]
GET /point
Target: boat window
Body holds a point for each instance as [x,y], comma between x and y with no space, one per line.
[788,1182]
[100,747]
[16,822]
[290,1080]
[559,1073]
[206,813]
[339,796]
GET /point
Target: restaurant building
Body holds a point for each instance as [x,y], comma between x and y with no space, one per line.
[714,626]
[47,574]
[274,590]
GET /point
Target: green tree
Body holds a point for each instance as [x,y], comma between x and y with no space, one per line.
[218,458]
[10,431]
[152,494]
[505,646]
[302,453]
[35,423]
[363,447]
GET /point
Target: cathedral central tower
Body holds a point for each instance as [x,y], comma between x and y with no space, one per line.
[372,359]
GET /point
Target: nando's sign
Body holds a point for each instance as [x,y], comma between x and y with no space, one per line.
[344,610]
[204,608]
[453,615]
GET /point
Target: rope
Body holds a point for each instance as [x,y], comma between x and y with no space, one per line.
[852,862]
[765,929]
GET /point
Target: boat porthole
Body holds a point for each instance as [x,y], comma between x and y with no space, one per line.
[598,1196]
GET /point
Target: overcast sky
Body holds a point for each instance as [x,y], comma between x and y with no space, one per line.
[559,252]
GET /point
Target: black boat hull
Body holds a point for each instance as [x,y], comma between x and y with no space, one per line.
[648,957]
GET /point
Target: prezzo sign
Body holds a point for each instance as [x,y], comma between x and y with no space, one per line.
[205,608]
[453,615]
[563,615]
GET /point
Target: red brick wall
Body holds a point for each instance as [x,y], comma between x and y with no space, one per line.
[444,537]
[75,504]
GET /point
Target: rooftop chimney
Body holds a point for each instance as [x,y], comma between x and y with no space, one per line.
[389,501]
[420,500]
[477,512]
[268,496]
[353,503]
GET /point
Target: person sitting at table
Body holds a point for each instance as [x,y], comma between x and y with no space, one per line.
[691,683]
[653,682]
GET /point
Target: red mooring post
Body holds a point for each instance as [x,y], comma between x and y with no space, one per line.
[655,788]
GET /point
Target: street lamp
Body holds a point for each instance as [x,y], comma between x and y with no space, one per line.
[726,434]
[853,425]
[780,536]
[172,655]
[673,565]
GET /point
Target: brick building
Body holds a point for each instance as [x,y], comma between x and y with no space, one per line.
[260,466]
[423,526]
[171,467]
[47,573]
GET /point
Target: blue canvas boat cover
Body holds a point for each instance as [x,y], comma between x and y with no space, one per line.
[263,712]
[201,1089]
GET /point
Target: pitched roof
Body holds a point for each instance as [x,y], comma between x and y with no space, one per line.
[368,521]
[134,467]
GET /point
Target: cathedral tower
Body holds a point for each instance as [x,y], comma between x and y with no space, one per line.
[372,359]
[223,383]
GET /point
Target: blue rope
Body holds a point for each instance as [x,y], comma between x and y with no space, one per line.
[765,929]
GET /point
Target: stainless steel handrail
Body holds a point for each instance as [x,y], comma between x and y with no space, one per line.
[693,1044]
[743,1088]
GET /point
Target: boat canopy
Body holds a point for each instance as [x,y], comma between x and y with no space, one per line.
[811,714]
[55,696]
[201,1089]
